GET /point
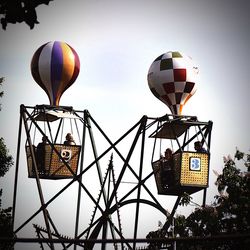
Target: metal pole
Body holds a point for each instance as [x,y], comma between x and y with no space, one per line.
[16,172]
[208,131]
[204,197]
[104,233]
[45,212]
[139,182]
[210,126]
[174,242]
[80,180]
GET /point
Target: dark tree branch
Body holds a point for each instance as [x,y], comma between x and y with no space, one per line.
[17,11]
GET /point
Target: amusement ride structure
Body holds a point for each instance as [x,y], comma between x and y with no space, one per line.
[116,179]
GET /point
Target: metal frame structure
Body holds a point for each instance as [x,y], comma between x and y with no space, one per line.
[177,128]
[106,221]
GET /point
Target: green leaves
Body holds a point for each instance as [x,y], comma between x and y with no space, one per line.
[185,199]
[238,155]
[230,211]
[229,214]
[6,160]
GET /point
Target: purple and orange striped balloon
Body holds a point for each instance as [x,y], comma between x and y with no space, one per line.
[55,66]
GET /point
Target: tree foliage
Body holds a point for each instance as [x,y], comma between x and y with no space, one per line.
[20,11]
[6,161]
[228,215]
[230,211]
[5,225]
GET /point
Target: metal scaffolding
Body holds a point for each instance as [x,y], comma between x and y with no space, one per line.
[106,222]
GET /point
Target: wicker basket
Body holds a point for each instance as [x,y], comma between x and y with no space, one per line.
[192,168]
[190,174]
[54,166]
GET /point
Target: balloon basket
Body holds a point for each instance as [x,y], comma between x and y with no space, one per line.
[189,174]
[58,162]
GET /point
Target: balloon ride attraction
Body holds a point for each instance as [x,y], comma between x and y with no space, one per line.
[172,78]
[95,193]
[55,66]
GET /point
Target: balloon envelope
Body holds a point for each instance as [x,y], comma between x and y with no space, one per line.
[55,66]
[171,78]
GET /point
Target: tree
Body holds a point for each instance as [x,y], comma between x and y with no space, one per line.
[6,161]
[228,215]
[20,11]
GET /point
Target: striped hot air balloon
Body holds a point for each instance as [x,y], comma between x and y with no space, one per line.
[55,66]
[172,79]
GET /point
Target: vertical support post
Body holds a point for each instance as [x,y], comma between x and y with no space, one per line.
[174,242]
[204,197]
[45,212]
[16,172]
[80,180]
[210,125]
[144,121]
[104,233]
[209,129]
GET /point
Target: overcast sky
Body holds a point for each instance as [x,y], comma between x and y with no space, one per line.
[116,42]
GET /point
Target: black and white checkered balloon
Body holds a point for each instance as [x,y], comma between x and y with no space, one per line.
[171,78]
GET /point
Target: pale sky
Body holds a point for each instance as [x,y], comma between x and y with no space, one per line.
[116,42]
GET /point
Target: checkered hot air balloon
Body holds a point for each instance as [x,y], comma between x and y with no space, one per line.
[171,78]
[55,66]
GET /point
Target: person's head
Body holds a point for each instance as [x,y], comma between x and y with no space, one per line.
[197,145]
[168,153]
[69,137]
[44,139]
